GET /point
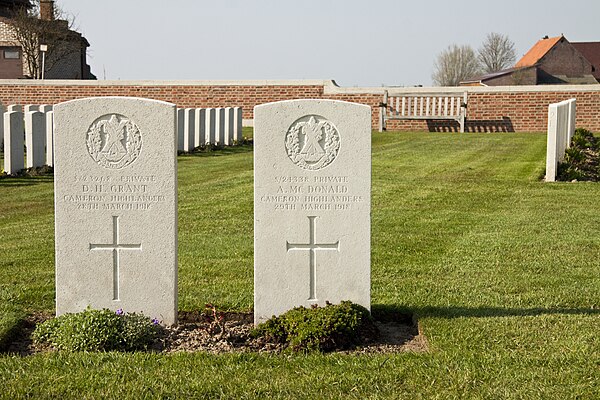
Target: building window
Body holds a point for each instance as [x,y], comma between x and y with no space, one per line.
[12,54]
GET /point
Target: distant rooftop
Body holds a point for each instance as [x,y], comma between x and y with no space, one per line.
[538,51]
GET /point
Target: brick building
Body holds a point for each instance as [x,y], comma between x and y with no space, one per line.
[550,61]
[67,61]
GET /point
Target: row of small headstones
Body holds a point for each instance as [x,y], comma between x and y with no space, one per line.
[37,123]
[198,127]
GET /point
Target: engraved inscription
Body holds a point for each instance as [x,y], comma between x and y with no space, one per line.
[114,141]
[316,193]
[115,247]
[312,142]
[126,192]
[312,246]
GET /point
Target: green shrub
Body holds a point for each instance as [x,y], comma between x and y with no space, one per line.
[319,328]
[582,159]
[98,330]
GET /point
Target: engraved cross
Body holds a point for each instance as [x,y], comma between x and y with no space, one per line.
[312,246]
[115,247]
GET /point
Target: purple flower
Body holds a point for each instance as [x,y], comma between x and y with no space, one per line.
[155,321]
[119,311]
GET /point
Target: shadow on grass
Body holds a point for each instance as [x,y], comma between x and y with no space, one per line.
[216,151]
[487,312]
[16,181]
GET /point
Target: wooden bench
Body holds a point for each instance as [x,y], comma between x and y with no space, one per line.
[424,106]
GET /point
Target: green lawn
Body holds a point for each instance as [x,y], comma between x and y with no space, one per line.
[502,271]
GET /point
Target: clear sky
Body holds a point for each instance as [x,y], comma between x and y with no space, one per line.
[357,43]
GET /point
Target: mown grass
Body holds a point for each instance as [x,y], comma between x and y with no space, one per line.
[501,269]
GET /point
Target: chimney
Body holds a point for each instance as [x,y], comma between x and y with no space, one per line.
[47,10]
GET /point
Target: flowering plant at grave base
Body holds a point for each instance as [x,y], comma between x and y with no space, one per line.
[98,330]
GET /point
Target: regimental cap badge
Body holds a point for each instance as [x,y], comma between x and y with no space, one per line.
[114,141]
[312,142]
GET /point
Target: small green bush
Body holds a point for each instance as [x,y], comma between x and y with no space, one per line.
[98,330]
[582,159]
[319,328]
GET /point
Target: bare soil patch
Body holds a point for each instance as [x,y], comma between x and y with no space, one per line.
[198,332]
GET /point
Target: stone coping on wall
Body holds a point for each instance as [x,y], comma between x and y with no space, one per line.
[330,87]
[256,82]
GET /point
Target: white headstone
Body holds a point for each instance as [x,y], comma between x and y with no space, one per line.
[50,138]
[229,126]
[180,128]
[237,134]
[45,108]
[14,154]
[210,125]
[312,197]
[200,128]
[35,138]
[189,125]
[14,108]
[219,126]
[2,128]
[30,108]
[116,206]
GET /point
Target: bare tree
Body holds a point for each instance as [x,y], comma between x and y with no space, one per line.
[496,53]
[57,33]
[455,64]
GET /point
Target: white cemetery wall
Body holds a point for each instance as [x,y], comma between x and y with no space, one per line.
[116,206]
[312,197]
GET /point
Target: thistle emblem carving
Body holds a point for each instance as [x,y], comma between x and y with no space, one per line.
[114,141]
[312,142]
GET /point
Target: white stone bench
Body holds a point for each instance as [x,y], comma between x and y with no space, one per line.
[423,106]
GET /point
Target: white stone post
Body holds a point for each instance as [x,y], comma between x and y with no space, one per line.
[13,142]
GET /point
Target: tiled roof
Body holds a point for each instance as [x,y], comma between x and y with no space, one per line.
[538,51]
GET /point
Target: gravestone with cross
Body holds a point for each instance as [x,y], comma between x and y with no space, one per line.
[116,206]
[312,199]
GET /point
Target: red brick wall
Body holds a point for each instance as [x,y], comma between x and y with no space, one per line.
[522,109]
